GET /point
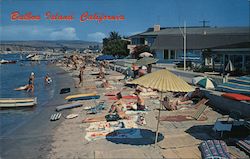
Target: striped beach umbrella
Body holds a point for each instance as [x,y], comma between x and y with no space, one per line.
[207,83]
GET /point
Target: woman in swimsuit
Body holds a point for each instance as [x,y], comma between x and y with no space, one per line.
[115,113]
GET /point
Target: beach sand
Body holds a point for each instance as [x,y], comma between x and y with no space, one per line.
[178,139]
[65,138]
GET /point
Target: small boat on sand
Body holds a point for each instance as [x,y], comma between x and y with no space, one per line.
[17,102]
[80,95]
[68,106]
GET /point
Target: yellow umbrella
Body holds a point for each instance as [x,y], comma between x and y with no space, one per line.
[163,80]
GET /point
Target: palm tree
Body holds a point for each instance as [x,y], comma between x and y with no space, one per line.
[114,35]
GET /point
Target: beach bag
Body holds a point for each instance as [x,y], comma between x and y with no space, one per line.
[112,117]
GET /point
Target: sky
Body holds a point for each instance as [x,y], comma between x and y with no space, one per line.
[139,15]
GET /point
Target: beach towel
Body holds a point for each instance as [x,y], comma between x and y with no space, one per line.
[180,118]
[111,126]
[212,149]
[244,145]
[123,97]
[111,93]
[99,130]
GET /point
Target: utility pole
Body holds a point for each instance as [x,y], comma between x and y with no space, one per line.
[184,34]
[204,23]
[185,44]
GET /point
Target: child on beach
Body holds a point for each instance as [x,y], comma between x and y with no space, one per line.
[140,103]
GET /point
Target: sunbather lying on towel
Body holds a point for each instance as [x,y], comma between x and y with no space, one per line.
[139,104]
[172,104]
[191,95]
[143,89]
[116,112]
[106,84]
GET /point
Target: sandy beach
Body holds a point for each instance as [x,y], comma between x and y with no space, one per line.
[176,139]
[70,138]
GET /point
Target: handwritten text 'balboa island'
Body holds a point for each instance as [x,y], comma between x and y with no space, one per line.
[17,16]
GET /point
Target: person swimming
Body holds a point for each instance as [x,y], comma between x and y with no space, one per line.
[47,79]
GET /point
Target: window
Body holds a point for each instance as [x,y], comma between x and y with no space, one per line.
[172,54]
[165,54]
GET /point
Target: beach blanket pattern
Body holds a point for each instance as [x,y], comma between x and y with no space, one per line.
[212,149]
[100,130]
[244,144]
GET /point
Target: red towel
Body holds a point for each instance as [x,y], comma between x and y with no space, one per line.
[123,97]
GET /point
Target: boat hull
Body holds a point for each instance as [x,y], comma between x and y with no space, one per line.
[17,102]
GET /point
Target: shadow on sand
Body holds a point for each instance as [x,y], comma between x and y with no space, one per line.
[133,136]
[201,132]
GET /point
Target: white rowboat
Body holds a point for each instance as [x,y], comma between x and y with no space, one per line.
[17,102]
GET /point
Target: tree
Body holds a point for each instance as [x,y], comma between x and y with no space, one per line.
[114,45]
[114,35]
[140,49]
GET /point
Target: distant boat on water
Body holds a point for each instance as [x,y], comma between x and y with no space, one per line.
[7,61]
[37,58]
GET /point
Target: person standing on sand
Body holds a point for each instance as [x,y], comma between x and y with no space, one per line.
[135,70]
[81,75]
[31,86]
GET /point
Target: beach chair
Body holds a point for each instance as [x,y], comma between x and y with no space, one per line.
[226,123]
[198,113]
[244,145]
[98,108]
[200,106]
[212,149]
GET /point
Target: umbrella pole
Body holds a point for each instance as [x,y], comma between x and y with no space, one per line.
[158,121]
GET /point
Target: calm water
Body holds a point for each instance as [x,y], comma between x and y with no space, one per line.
[16,75]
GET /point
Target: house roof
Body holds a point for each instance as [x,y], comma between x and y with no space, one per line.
[198,41]
[199,31]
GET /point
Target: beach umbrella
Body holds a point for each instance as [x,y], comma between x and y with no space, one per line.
[163,81]
[146,54]
[207,83]
[229,67]
[195,80]
[146,61]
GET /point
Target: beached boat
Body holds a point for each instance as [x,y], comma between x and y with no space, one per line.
[68,106]
[80,95]
[17,102]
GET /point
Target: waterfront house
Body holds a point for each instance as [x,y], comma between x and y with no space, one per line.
[213,46]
